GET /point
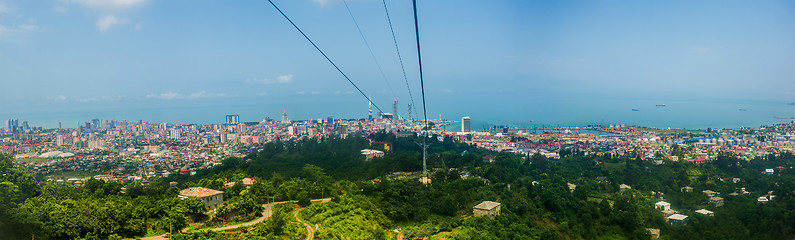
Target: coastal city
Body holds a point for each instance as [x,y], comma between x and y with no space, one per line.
[137,150]
[415,120]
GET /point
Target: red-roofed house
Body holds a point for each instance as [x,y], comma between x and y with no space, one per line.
[212,198]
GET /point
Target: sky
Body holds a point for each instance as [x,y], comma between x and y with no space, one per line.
[517,62]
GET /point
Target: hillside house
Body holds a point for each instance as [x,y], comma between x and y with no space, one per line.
[677,219]
[248,181]
[369,154]
[717,201]
[662,205]
[654,232]
[624,187]
[705,212]
[709,193]
[487,208]
[212,198]
[571,187]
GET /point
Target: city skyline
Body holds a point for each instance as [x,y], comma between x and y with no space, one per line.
[511,61]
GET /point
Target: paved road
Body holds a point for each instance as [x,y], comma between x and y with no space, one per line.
[267,211]
[163,236]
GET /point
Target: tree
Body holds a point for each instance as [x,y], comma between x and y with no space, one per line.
[303,199]
[195,206]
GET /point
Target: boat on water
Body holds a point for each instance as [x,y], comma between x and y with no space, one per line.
[660,105]
[635,109]
[743,109]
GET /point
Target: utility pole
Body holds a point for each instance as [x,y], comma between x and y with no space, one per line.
[425,180]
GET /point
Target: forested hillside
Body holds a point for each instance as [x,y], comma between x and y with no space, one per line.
[574,197]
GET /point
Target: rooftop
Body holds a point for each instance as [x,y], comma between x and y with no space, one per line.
[704,211]
[199,192]
[677,216]
[486,205]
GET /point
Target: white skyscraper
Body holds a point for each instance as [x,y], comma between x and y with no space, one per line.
[465,124]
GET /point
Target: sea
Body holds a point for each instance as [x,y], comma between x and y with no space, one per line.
[554,114]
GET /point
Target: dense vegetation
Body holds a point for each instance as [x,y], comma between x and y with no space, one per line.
[369,202]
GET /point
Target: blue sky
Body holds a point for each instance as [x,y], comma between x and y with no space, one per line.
[494,60]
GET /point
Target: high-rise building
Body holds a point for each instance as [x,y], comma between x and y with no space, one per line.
[241,128]
[12,124]
[330,120]
[284,117]
[60,140]
[395,110]
[176,133]
[465,124]
[232,119]
[95,123]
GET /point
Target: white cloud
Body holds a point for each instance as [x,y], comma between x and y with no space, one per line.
[108,10]
[283,79]
[93,99]
[111,5]
[315,92]
[7,8]
[167,96]
[138,26]
[107,22]
[301,92]
[9,33]
[322,2]
[195,95]
[445,90]
[59,98]
[28,27]
[263,94]
[112,98]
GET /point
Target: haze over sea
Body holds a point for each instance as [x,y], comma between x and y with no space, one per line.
[560,113]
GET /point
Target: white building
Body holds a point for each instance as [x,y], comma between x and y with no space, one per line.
[369,154]
[662,206]
[677,219]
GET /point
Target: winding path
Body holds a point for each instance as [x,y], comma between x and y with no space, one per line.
[310,233]
[267,211]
